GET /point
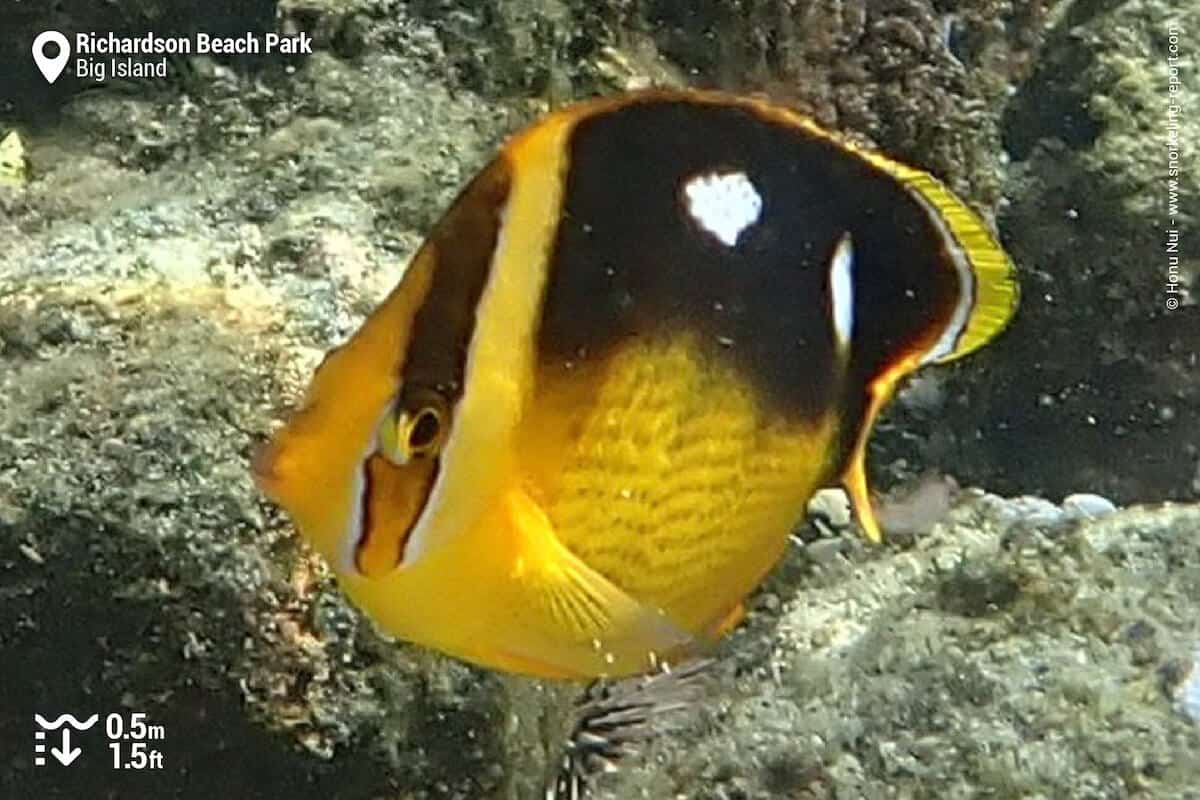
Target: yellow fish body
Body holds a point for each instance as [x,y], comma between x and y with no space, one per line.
[578,432]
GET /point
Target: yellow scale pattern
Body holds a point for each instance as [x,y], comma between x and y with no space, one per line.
[677,487]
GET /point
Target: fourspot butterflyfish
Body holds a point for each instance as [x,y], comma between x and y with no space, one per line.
[577,434]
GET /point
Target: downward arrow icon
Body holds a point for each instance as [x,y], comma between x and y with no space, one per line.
[67,754]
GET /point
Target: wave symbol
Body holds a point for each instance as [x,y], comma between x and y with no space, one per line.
[66,718]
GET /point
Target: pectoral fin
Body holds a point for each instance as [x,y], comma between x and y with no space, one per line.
[571,621]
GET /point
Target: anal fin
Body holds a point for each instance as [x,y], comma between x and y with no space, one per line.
[854,477]
[727,623]
[570,619]
[855,483]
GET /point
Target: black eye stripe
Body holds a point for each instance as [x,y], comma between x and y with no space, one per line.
[462,245]
[368,523]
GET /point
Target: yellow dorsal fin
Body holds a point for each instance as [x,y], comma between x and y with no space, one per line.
[570,620]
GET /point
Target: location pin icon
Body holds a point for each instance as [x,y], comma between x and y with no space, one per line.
[51,67]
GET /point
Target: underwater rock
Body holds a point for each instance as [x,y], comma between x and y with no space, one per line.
[924,83]
[979,662]
[831,506]
[916,509]
[1097,368]
[1087,505]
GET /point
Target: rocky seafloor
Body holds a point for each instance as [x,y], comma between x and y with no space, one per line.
[184,250]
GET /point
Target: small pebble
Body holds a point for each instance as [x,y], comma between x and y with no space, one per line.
[918,509]
[823,551]
[832,506]
[1087,506]
[1030,511]
[1189,692]
[31,553]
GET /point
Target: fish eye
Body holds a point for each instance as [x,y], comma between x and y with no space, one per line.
[406,434]
[425,431]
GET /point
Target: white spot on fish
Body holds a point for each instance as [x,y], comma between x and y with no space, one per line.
[841,291]
[723,203]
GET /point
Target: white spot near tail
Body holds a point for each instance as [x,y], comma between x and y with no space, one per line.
[841,291]
[723,203]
